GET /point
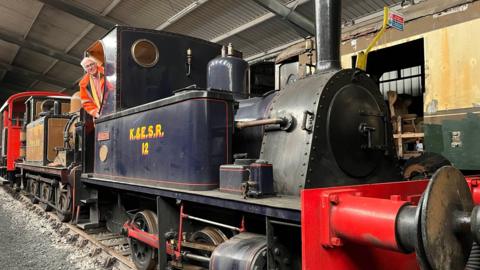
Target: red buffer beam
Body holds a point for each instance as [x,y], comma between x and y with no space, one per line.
[354,227]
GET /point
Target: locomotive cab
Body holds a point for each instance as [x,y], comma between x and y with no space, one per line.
[143,65]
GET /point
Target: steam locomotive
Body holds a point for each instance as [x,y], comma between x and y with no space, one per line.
[201,175]
[12,119]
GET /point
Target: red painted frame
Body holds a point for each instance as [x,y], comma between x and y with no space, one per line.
[13,130]
[334,225]
[323,248]
[331,215]
[474,184]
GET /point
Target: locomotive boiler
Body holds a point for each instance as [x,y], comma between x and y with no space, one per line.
[198,174]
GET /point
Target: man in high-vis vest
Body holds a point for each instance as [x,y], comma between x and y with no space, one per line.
[92,86]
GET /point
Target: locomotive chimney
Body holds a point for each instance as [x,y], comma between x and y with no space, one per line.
[327,34]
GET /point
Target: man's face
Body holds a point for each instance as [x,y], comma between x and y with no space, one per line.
[91,68]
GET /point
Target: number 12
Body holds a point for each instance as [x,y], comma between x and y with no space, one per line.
[144,148]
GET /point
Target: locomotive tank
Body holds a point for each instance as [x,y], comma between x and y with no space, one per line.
[158,125]
[333,124]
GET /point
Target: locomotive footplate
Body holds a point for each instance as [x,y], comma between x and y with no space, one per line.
[57,171]
[284,207]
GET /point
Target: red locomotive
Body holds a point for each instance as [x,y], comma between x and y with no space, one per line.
[12,113]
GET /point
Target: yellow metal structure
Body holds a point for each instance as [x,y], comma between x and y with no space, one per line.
[362,56]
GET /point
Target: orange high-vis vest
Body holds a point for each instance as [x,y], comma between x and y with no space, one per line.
[91,101]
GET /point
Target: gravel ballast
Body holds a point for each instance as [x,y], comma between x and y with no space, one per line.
[29,240]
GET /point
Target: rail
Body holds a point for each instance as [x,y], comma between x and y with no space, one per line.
[115,246]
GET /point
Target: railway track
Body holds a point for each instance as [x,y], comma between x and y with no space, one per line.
[110,250]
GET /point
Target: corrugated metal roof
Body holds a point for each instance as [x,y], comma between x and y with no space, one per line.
[7,51]
[17,79]
[355,9]
[254,40]
[351,9]
[33,61]
[215,18]
[86,41]
[94,5]
[18,15]
[66,71]
[55,28]
[251,28]
[147,13]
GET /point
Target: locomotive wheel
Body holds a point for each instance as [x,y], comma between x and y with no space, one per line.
[63,202]
[143,255]
[208,235]
[45,195]
[33,189]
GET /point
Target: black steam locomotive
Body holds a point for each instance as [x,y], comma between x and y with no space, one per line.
[191,167]
[171,139]
[193,141]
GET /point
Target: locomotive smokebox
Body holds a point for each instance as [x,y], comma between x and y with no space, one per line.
[340,132]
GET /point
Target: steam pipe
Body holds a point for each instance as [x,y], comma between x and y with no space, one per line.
[261,122]
[327,33]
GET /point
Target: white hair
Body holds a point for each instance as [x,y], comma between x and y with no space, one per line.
[86,60]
